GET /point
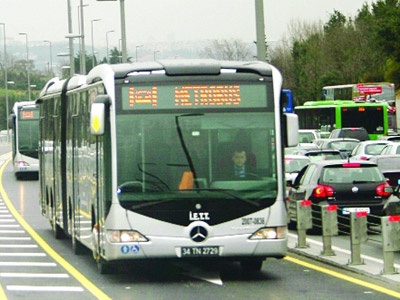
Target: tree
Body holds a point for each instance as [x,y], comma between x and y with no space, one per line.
[233,49]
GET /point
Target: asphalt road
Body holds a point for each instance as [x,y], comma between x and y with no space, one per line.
[33,265]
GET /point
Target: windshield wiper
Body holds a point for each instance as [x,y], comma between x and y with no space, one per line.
[227,192]
[151,203]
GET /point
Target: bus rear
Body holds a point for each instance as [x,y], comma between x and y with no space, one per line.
[328,115]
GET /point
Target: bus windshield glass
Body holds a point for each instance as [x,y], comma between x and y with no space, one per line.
[184,155]
[28,127]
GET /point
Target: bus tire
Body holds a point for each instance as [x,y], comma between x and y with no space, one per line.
[77,247]
[251,265]
[105,267]
[58,232]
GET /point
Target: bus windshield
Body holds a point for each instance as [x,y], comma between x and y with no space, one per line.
[176,156]
[28,127]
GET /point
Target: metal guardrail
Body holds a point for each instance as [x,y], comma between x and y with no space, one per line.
[329,223]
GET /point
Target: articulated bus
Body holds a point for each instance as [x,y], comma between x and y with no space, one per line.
[327,115]
[380,91]
[24,123]
[131,158]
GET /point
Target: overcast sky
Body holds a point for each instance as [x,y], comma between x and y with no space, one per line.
[162,20]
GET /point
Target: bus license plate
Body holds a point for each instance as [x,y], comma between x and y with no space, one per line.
[200,251]
[348,210]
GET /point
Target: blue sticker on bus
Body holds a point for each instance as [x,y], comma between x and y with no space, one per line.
[125,249]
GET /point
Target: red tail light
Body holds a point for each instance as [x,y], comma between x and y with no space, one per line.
[323,191]
[380,190]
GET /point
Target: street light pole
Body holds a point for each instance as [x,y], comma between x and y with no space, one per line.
[260,31]
[154,53]
[27,64]
[82,43]
[137,51]
[107,55]
[51,57]
[71,42]
[5,77]
[123,32]
[91,31]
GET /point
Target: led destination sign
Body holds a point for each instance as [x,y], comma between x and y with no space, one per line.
[194,96]
[28,114]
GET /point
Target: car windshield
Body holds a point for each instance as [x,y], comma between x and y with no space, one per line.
[343,145]
[335,174]
[295,165]
[317,156]
[374,149]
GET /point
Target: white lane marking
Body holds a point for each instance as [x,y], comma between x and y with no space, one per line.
[27,254]
[2,238]
[26,264]
[44,288]
[18,246]
[34,275]
[12,231]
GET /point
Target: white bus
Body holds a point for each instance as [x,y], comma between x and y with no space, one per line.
[131,155]
[24,123]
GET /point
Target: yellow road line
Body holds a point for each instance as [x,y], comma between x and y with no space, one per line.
[99,294]
[344,277]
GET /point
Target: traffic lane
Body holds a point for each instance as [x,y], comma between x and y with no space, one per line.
[27,265]
[279,279]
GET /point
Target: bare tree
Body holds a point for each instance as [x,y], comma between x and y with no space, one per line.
[233,49]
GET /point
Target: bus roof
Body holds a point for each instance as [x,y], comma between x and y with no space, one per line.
[338,103]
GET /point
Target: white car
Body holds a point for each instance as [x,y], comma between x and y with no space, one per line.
[365,149]
[391,148]
[308,135]
[293,165]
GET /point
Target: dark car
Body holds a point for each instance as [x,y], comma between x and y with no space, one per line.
[389,166]
[344,145]
[352,186]
[359,133]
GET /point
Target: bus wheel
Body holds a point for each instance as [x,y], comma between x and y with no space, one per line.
[58,233]
[77,247]
[105,267]
[251,265]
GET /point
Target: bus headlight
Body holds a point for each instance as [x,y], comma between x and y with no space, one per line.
[125,236]
[269,233]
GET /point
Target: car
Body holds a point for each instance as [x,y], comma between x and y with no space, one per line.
[359,133]
[308,135]
[366,149]
[301,147]
[393,138]
[293,165]
[391,148]
[344,145]
[389,166]
[314,155]
[352,186]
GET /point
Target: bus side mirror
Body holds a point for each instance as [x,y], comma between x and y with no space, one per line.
[97,118]
[98,114]
[292,130]
[11,120]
